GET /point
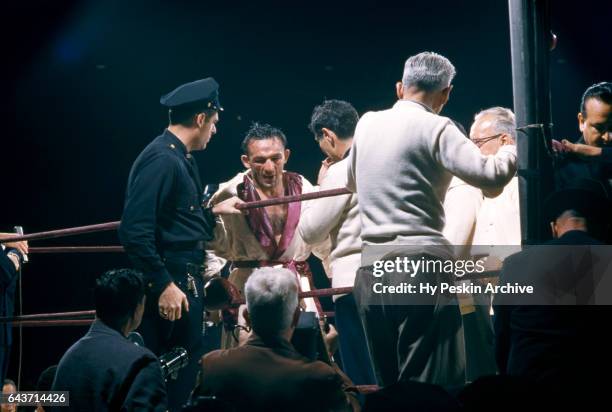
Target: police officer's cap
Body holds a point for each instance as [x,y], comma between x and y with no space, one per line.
[205,91]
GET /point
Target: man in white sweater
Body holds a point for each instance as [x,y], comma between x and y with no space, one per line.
[400,165]
[337,218]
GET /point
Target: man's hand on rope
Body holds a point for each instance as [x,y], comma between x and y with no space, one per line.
[171,303]
[581,149]
[227,207]
[331,340]
[22,246]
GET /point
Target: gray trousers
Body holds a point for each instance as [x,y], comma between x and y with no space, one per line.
[411,337]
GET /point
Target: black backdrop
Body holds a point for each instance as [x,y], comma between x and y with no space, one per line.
[82,82]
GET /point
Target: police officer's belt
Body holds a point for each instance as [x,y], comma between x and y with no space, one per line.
[182,269]
[185,246]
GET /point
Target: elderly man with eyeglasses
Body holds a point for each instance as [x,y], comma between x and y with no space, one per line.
[473,215]
[476,217]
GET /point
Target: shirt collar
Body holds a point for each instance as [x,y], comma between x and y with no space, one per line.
[404,102]
[348,152]
[277,343]
[100,327]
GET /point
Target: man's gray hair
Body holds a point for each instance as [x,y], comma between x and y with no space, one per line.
[428,71]
[503,120]
[271,298]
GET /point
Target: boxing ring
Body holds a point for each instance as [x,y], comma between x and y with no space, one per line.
[86,317]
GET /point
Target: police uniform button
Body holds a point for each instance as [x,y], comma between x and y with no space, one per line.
[150,285]
[172,146]
[192,208]
[188,155]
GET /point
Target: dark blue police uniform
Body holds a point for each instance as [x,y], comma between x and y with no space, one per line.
[164,229]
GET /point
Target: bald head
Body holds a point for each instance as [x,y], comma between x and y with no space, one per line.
[568,221]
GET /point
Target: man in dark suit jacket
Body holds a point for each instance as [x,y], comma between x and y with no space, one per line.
[104,371]
[554,337]
[591,156]
[11,258]
[267,373]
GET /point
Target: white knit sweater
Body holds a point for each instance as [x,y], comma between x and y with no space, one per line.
[401,164]
[338,218]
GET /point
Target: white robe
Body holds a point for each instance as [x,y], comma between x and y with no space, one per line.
[234,241]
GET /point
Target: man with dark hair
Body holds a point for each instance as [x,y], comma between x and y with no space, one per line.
[265,236]
[591,156]
[164,227]
[595,119]
[335,115]
[262,131]
[337,218]
[267,373]
[104,370]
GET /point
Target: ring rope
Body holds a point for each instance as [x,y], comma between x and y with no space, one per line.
[101,227]
[91,313]
[76,249]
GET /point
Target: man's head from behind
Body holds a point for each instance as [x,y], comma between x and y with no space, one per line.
[119,299]
[582,204]
[272,302]
[427,78]
[595,117]
[332,123]
[265,153]
[493,128]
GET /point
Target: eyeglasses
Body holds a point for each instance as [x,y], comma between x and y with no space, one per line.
[483,140]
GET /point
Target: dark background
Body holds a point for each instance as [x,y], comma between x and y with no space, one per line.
[82,81]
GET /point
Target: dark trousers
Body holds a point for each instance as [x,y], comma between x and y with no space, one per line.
[353,346]
[479,341]
[161,335]
[411,337]
[5,354]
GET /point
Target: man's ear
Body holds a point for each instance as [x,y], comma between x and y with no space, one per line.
[245,161]
[507,139]
[581,120]
[287,154]
[200,120]
[247,318]
[399,90]
[330,136]
[446,93]
[553,230]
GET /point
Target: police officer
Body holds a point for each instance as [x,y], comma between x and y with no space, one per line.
[164,227]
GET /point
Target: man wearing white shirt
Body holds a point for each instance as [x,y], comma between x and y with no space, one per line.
[400,166]
[472,218]
[333,125]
